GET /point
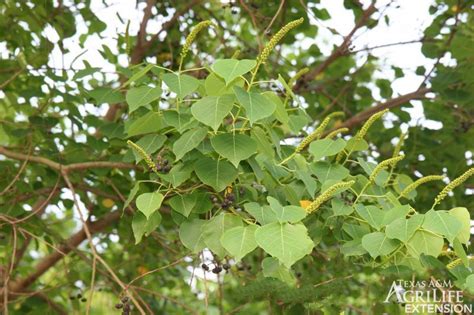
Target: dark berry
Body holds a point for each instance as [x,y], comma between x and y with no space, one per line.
[118,306]
[166,168]
[79,295]
[249,267]
[72,297]
[205,267]
[234,11]
[83,299]
[230,197]
[298,274]
[158,166]
[2,236]
[226,266]
[217,270]
[125,299]
[165,162]
[240,268]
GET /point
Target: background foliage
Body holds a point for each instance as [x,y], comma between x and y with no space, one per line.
[217,177]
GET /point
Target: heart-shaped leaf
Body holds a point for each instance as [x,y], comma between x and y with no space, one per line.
[141,96]
[256,105]
[234,147]
[230,69]
[148,203]
[211,110]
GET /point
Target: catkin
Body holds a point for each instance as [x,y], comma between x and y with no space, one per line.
[334,133]
[144,155]
[363,131]
[398,147]
[317,132]
[455,183]
[297,76]
[386,163]
[419,182]
[192,36]
[262,58]
[327,194]
[456,263]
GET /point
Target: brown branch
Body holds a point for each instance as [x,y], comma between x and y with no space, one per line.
[65,168]
[392,103]
[341,50]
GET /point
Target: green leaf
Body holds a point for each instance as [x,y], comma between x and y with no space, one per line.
[424,242]
[183,204]
[373,215]
[272,268]
[216,86]
[256,105]
[149,143]
[378,244]
[215,228]
[289,243]
[141,96]
[234,147]
[340,208]
[325,171]
[462,214]
[148,203]
[178,174]
[239,241]
[459,250]
[442,223]
[263,215]
[188,141]
[326,147]
[230,69]
[290,214]
[179,120]
[469,285]
[132,194]
[191,235]
[211,110]
[216,173]
[106,95]
[395,213]
[143,226]
[182,84]
[355,144]
[148,123]
[403,229]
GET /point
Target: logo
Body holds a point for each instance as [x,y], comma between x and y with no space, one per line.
[434,296]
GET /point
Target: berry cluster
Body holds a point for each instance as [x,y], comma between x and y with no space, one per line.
[228,200]
[79,297]
[217,268]
[162,165]
[124,305]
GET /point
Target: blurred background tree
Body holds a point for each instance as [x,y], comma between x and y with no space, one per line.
[60,106]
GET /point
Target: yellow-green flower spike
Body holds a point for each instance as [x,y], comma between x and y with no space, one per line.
[327,194]
[419,182]
[192,36]
[317,132]
[297,76]
[456,263]
[363,131]
[144,155]
[384,164]
[334,133]
[398,147]
[262,58]
[455,183]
